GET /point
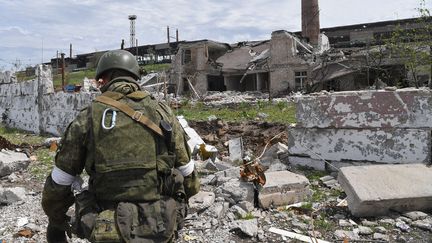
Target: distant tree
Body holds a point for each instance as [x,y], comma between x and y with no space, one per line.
[413,45]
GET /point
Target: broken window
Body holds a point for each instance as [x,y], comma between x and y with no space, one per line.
[187,56]
[300,80]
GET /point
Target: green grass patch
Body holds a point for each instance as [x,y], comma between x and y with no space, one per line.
[282,112]
[44,164]
[73,77]
[18,137]
[247,216]
[156,67]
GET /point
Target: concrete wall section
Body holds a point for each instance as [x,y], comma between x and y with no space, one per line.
[33,106]
[377,145]
[405,108]
[61,108]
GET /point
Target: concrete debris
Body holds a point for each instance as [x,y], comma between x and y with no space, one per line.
[415,215]
[248,227]
[236,149]
[11,195]
[201,201]
[346,235]
[12,162]
[277,166]
[238,211]
[283,188]
[330,182]
[317,164]
[296,236]
[364,230]
[404,227]
[239,190]
[370,189]
[379,236]
[194,138]
[276,150]
[22,221]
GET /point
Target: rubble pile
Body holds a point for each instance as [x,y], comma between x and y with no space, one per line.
[294,203]
[255,135]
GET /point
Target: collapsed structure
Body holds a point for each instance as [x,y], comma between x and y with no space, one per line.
[340,59]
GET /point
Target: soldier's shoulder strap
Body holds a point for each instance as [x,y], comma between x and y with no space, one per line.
[135,115]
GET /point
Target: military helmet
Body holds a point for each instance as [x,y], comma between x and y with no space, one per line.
[118,59]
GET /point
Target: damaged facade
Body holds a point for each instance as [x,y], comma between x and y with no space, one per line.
[340,59]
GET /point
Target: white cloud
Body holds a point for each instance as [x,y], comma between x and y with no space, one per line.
[101,24]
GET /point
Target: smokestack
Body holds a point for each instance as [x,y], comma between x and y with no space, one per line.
[70,51]
[168,35]
[177,35]
[310,21]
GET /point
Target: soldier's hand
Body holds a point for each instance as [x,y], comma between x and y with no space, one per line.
[56,233]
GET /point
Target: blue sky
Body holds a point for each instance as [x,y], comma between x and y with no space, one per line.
[30,30]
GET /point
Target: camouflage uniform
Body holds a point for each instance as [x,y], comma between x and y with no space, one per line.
[133,172]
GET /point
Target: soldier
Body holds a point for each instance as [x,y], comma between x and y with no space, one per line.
[135,152]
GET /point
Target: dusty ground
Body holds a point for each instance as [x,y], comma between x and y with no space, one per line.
[320,214]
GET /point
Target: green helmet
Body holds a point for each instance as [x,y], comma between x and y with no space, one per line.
[118,59]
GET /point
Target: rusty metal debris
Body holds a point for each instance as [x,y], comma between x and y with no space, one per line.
[252,171]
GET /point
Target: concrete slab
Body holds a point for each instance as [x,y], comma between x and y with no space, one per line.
[283,188]
[235,147]
[403,108]
[316,164]
[379,145]
[11,161]
[201,200]
[377,189]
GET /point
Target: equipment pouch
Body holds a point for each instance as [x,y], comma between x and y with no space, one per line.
[152,220]
[105,230]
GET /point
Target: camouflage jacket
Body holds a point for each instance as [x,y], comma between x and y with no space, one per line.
[86,145]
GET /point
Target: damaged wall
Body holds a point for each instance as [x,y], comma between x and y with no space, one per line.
[34,106]
[363,126]
[284,62]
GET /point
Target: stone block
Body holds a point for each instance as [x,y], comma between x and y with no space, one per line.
[235,147]
[283,188]
[201,200]
[404,108]
[378,189]
[379,145]
[239,190]
[316,164]
[12,161]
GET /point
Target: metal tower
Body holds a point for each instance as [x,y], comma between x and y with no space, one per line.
[132,19]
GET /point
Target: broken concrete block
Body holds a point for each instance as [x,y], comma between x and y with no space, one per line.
[194,138]
[12,195]
[379,145]
[239,190]
[12,161]
[317,164]
[235,147]
[201,200]
[276,150]
[283,188]
[415,215]
[344,234]
[278,166]
[249,227]
[233,172]
[238,211]
[404,108]
[377,189]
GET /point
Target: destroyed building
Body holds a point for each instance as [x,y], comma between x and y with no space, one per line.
[340,58]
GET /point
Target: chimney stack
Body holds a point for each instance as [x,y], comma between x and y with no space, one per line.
[310,21]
